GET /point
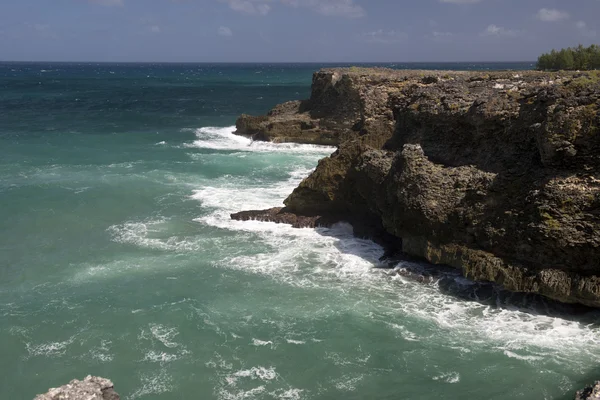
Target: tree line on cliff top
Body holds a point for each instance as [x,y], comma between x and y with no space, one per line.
[572,58]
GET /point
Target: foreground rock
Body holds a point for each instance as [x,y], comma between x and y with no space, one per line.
[91,388]
[495,174]
[589,393]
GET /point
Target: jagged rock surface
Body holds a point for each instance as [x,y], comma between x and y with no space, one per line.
[589,393]
[280,216]
[91,388]
[341,107]
[496,174]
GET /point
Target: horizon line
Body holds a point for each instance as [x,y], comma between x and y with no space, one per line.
[269,62]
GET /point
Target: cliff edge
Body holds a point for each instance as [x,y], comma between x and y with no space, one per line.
[496,174]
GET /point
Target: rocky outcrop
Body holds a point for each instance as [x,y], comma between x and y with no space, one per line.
[341,107]
[91,388]
[281,216]
[589,393]
[495,174]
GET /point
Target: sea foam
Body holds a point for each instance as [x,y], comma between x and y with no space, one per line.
[333,259]
[223,139]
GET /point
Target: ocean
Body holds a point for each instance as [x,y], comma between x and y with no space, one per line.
[118,258]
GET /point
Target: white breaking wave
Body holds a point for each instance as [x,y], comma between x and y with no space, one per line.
[518,357]
[157,383]
[223,139]
[140,234]
[102,353]
[224,394]
[165,335]
[49,349]
[265,381]
[298,342]
[259,343]
[333,259]
[160,357]
[450,377]
[348,383]
[230,197]
[290,394]
[261,373]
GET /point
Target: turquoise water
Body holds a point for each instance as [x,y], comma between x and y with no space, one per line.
[118,258]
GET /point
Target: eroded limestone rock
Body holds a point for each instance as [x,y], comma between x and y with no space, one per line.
[589,393]
[91,388]
[497,174]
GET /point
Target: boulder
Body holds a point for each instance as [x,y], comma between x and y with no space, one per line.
[91,388]
[589,393]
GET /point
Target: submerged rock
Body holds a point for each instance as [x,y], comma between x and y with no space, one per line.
[589,393]
[91,388]
[280,216]
[495,174]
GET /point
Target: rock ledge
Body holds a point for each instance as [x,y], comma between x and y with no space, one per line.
[496,174]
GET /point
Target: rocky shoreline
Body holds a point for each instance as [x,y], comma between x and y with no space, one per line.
[495,174]
[96,388]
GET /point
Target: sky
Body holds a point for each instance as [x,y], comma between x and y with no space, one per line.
[293,30]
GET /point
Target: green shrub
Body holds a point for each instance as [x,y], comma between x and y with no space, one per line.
[573,58]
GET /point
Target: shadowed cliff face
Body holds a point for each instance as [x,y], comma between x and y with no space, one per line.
[495,174]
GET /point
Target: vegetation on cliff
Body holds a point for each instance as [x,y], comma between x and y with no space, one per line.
[572,58]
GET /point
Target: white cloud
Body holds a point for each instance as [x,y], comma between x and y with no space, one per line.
[40,27]
[495,30]
[551,15]
[108,2]
[585,30]
[253,7]
[331,8]
[224,31]
[442,37]
[42,30]
[155,29]
[336,8]
[263,9]
[382,36]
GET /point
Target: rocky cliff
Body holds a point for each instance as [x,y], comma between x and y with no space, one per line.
[496,174]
